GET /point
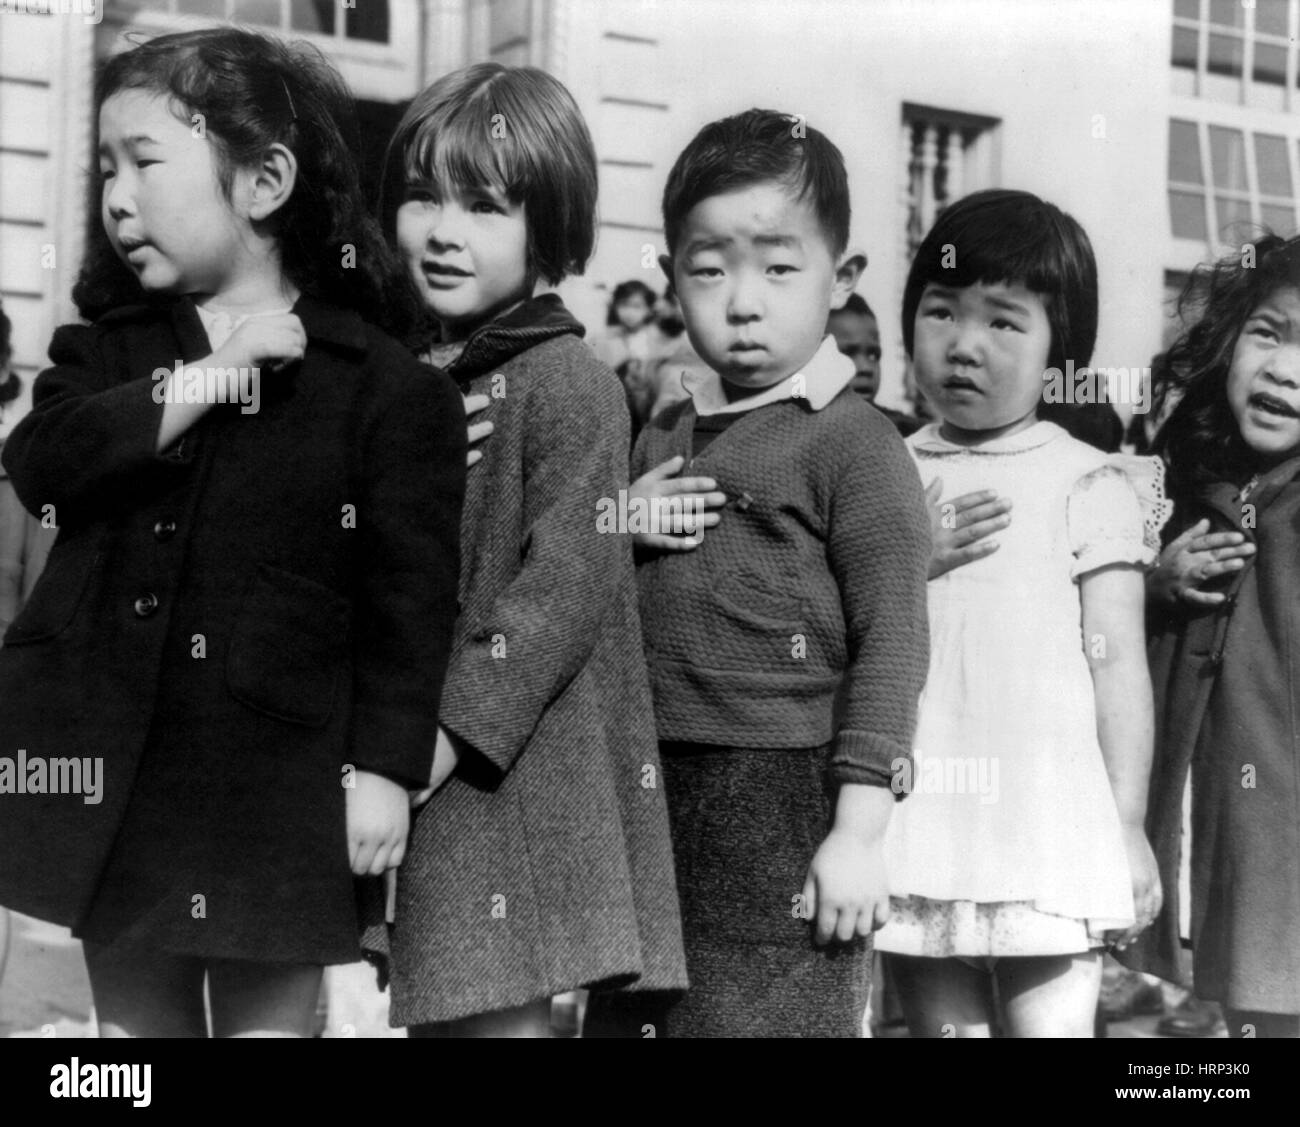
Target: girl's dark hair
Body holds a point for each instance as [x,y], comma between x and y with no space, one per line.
[1200,440]
[254,91]
[755,147]
[1013,237]
[517,130]
[625,291]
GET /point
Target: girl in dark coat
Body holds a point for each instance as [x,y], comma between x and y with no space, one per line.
[542,861]
[1224,658]
[241,634]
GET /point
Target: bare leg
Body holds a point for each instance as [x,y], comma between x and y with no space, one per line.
[1254,1023]
[263,999]
[943,997]
[147,994]
[1050,995]
[532,1020]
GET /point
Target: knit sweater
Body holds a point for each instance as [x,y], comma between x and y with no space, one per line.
[816,575]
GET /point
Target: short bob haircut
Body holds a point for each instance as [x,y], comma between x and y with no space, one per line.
[516,130]
[1201,440]
[756,147]
[254,91]
[1004,236]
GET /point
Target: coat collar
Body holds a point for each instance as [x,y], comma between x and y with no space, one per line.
[1225,498]
[327,324]
[525,326]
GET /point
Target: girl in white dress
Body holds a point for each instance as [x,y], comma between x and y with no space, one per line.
[1019,851]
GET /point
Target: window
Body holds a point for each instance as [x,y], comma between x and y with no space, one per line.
[947,155]
[1248,43]
[368,20]
[1223,180]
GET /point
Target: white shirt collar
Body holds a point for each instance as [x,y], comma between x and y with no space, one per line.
[817,382]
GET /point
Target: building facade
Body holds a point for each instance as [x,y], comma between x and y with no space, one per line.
[1161,126]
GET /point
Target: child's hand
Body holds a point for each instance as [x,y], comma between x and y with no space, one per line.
[846,890]
[270,342]
[446,757]
[1147,893]
[379,817]
[1195,557]
[477,431]
[959,529]
[696,494]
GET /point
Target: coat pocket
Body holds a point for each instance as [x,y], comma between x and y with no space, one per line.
[288,647]
[54,600]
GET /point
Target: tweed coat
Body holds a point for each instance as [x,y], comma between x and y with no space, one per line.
[222,630]
[544,863]
[1227,683]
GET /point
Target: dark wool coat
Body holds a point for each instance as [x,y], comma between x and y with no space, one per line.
[216,626]
[1227,684]
[544,864]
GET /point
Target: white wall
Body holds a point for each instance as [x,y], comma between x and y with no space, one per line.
[1046,68]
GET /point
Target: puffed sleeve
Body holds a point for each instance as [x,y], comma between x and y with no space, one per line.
[1115,512]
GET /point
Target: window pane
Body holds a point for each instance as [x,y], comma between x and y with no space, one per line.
[1232,219]
[367,21]
[1227,12]
[1271,163]
[1188,9]
[265,12]
[1278,219]
[202,8]
[312,15]
[1184,153]
[1270,16]
[1224,55]
[1187,215]
[1184,53]
[1270,64]
[1228,157]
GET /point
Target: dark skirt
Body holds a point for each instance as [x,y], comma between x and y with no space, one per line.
[745,825]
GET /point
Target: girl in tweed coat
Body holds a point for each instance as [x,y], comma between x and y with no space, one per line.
[542,862]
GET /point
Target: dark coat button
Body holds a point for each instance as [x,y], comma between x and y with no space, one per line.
[1214,662]
[145,605]
[165,529]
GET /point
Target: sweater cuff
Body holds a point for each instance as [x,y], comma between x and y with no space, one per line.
[866,757]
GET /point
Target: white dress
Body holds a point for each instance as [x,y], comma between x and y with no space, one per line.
[1009,841]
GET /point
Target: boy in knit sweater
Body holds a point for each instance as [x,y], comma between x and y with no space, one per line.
[810,583]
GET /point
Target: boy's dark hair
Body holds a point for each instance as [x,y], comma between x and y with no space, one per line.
[1004,236]
[625,291]
[1201,440]
[253,91]
[752,148]
[515,129]
[857,305]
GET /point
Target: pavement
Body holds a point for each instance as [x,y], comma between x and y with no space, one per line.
[44,991]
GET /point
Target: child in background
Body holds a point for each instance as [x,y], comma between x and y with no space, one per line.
[815,574]
[627,343]
[245,620]
[1225,628]
[857,335]
[1020,850]
[541,863]
[631,318]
